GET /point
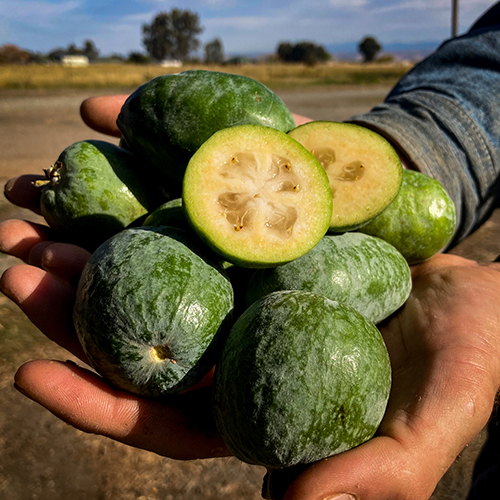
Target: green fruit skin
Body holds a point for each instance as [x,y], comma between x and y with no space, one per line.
[169,213]
[300,378]
[97,194]
[359,270]
[148,287]
[420,221]
[168,118]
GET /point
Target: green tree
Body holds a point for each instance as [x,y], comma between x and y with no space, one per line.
[306,52]
[138,58]
[12,54]
[214,52]
[90,50]
[172,35]
[369,48]
[284,51]
[56,54]
[73,50]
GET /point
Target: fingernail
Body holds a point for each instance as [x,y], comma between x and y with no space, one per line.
[342,496]
[22,391]
[9,185]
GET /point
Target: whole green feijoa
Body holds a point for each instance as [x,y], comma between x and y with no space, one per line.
[357,269]
[94,190]
[168,118]
[169,213]
[420,221]
[151,310]
[300,378]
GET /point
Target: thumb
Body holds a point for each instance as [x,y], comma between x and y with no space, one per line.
[381,468]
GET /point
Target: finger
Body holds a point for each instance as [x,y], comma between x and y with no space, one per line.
[182,428]
[18,237]
[64,261]
[46,301]
[36,253]
[300,120]
[381,468]
[23,192]
[100,113]
[439,261]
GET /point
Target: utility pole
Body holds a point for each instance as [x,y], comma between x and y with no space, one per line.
[454,17]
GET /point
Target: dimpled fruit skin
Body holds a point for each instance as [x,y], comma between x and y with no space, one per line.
[169,213]
[356,269]
[168,118]
[97,194]
[149,287]
[420,221]
[301,378]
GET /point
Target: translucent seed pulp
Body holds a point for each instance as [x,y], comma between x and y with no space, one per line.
[350,172]
[260,193]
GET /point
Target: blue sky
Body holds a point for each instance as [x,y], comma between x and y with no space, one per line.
[243,26]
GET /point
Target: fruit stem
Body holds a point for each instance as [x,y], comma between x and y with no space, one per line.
[161,353]
[52,174]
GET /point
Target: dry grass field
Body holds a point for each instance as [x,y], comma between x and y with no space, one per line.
[133,75]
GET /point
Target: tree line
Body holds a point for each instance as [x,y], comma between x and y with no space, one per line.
[174,35]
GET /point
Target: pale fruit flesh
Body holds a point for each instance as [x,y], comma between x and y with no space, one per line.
[364,171]
[256,195]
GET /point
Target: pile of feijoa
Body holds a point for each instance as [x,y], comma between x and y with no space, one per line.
[223,235]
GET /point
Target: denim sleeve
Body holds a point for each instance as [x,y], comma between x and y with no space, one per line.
[444,115]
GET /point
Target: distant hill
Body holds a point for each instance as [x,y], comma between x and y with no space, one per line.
[349,51]
[412,51]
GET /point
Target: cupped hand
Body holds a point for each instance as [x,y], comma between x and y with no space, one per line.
[44,288]
[444,346]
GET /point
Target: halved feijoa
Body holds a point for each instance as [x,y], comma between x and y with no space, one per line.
[257,196]
[364,170]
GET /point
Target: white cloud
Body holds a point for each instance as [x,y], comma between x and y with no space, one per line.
[242,22]
[33,12]
[348,4]
[434,5]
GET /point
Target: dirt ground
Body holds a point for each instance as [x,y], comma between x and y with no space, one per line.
[42,458]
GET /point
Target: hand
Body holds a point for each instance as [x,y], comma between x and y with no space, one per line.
[444,347]
[443,344]
[45,289]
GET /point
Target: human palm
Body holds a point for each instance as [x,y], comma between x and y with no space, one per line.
[444,346]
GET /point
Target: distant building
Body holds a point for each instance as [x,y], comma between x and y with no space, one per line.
[74,60]
[171,63]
